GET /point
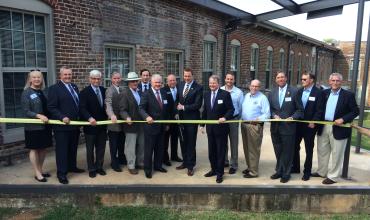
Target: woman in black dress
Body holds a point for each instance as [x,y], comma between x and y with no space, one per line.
[37,136]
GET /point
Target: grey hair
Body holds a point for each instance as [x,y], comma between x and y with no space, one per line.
[63,68]
[336,74]
[156,76]
[114,73]
[215,77]
[95,73]
[256,80]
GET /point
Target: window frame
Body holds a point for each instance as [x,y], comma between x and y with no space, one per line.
[269,66]
[208,39]
[235,46]
[181,63]
[299,71]
[282,59]
[254,58]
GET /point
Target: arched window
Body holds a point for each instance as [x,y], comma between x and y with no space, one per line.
[254,60]
[235,59]
[209,58]
[290,66]
[270,52]
[313,60]
[307,63]
[281,59]
[299,72]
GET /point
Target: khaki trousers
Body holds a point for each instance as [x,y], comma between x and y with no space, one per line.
[252,139]
[326,145]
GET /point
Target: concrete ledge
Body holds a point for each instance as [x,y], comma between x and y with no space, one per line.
[241,198]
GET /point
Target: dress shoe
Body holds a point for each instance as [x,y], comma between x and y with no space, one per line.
[190,172]
[210,173]
[275,176]
[167,163]
[232,170]
[219,179]
[248,175]
[117,169]
[245,171]
[43,180]
[101,172]
[181,167]
[306,177]
[284,179]
[47,175]
[316,175]
[161,169]
[148,174]
[63,180]
[177,159]
[92,174]
[328,181]
[226,165]
[133,171]
[76,170]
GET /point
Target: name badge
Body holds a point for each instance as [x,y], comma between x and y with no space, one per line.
[311,98]
[33,96]
[169,93]
[220,101]
[165,101]
[288,99]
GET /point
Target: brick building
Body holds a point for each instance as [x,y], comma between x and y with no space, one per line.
[161,35]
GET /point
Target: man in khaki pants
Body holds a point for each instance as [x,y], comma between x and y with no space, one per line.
[255,107]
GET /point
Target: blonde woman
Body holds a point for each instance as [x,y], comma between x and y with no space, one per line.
[37,136]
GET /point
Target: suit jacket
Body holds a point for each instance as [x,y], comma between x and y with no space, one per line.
[149,106]
[90,107]
[61,104]
[32,105]
[128,107]
[346,109]
[222,107]
[140,88]
[112,106]
[172,104]
[192,102]
[292,107]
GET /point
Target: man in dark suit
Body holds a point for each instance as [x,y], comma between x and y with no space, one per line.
[340,107]
[284,104]
[218,105]
[190,101]
[154,106]
[144,84]
[92,109]
[173,133]
[63,105]
[311,99]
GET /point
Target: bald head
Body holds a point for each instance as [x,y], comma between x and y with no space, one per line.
[255,86]
[171,81]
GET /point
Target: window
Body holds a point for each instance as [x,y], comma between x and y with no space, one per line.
[117,58]
[299,72]
[173,63]
[235,59]
[313,60]
[290,66]
[281,59]
[254,61]
[209,57]
[307,63]
[269,67]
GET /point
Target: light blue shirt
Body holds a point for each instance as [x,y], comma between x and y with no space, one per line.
[237,98]
[136,95]
[306,93]
[174,93]
[282,94]
[255,107]
[331,105]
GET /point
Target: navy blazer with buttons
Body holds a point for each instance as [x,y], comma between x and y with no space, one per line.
[314,106]
[192,101]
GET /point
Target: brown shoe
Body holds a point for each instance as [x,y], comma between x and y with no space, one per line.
[181,167]
[133,171]
[190,172]
[328,181]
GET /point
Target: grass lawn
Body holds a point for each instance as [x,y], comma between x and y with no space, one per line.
[137,213]
[365,141]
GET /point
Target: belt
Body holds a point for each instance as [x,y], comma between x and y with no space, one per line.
[254,123]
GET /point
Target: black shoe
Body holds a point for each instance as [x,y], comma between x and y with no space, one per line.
[101,172]
[232,170]
[167,163]
[275,176]
[190,172]
[92,174]
[63,180]
[181,167]
[328,181]
[47,175]
[117,169]
[148,174]
[245,171]
[210,173]
[219,179]
[76,170]
[316,175]
[248,175]
[306,177]
[226,165]
[43,180]
[177,159]
[284,180]
[162,170]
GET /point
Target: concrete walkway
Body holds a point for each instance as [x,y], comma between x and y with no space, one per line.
[21,172]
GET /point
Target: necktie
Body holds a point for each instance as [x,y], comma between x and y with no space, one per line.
[281,97]
[304,97]
[173,94]
[97,91]
[213,99]
[145,88]
[159,99]
[74,96]
[186,90]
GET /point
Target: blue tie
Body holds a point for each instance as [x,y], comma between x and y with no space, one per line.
[74,96]
[281,98]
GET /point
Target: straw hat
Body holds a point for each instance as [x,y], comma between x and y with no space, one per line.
[132,76]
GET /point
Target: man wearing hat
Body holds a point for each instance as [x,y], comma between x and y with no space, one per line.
[129,100]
